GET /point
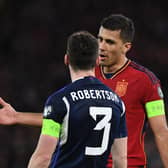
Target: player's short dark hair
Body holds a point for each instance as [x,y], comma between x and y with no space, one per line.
[82,49]
[120,22]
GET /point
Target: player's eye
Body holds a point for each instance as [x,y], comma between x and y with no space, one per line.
[100,39]
[110,41]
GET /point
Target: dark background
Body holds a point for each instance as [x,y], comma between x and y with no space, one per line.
[33,36]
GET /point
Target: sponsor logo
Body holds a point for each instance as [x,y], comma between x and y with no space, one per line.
[160,93]
[121,88]
[47,110]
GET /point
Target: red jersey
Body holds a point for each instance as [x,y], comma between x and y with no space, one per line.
[136,86]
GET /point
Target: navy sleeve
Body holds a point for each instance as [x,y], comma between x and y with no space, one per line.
[54,109]
[122,127]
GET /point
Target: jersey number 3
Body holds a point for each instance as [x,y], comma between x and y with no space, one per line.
[102,124]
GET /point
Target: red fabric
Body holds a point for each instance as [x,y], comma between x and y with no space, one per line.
[109,163]
[136,86]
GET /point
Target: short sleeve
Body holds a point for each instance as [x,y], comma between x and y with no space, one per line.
[54,109]
[53,116]
[152,90]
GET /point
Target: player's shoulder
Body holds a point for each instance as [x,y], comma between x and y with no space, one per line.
[57,96]
[144,72]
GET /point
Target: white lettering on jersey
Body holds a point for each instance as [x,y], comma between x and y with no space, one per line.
[102,124]
[74,96]
[93,94]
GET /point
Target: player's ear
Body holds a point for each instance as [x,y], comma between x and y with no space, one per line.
[127,47]
[66,59]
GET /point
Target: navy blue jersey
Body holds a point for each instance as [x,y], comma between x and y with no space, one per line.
[91,116]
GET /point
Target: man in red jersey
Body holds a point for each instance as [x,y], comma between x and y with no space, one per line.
[137,86]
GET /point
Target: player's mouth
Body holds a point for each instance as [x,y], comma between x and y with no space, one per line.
[102,57]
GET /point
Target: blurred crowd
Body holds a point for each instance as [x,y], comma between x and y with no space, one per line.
[32,45]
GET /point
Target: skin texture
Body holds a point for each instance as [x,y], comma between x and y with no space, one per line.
[112,50]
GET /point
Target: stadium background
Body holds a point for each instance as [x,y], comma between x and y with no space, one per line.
[33,41]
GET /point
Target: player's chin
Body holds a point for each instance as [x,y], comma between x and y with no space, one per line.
[103,60]
[102,63]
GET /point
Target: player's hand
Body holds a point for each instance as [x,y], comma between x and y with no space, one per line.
[7,113]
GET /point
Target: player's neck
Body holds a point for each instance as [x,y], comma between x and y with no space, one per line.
[75,75]
[115,67]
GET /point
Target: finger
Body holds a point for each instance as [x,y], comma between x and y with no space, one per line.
[2,102]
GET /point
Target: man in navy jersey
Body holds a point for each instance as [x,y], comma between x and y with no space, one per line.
[84,121]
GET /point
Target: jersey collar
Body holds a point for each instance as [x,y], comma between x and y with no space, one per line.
[117,72]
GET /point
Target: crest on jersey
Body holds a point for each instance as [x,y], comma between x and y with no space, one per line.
[121,88]
[47,110]
[160,93]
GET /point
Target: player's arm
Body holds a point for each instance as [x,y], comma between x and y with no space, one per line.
[43,153]
[119,152]
[48,140]
[26,118]
[9,116]
[156,115]
[119,147]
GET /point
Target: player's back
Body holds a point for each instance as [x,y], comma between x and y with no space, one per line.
[90,120]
